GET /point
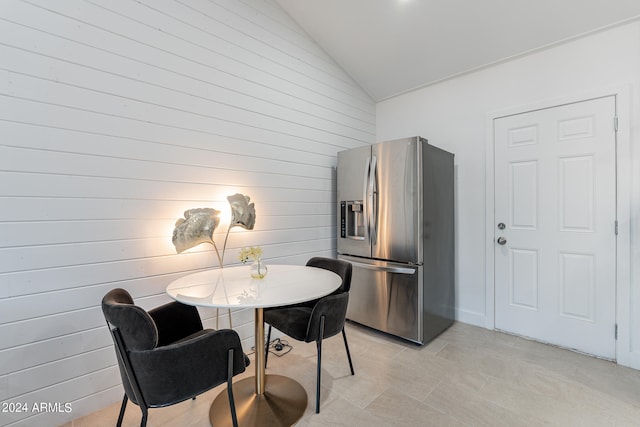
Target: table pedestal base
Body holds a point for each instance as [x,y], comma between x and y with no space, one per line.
[282,404]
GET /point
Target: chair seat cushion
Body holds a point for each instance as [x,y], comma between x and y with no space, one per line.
[293,321]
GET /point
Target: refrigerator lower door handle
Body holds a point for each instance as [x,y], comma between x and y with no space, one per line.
[396,270]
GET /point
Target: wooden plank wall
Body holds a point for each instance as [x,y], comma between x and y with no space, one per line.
[115,117]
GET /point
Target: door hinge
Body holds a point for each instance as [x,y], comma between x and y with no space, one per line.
[616,332]
[616,227]
[615,123]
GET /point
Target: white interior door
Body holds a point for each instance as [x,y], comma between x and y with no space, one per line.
[555,234]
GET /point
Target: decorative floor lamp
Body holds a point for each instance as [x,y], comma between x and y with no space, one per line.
[198,226]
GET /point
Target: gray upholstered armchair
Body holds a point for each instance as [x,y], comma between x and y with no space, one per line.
[315,320]
[165,356]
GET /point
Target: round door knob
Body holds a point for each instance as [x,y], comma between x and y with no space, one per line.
[502,240]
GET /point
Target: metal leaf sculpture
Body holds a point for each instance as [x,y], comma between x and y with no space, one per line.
[196,227]
[243,214]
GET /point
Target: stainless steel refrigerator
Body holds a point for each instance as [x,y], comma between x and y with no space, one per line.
[396,226]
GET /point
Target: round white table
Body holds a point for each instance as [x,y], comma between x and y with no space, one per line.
[265,400]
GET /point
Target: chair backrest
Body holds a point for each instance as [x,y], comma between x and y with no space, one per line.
[333,309]
[131,329]
[340,267]
[137,328]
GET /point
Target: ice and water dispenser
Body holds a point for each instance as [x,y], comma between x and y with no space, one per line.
[352,221]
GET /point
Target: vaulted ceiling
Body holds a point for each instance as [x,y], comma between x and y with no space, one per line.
[393,46]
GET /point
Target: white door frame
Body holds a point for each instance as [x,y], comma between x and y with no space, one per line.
[624,355]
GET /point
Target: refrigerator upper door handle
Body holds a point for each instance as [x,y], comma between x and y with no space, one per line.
[387,269]
[367,171]
[373,226]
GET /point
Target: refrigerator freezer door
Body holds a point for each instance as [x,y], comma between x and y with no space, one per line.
[396,229]
[386,296]
[353,209]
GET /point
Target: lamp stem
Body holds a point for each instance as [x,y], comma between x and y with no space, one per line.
[220,258]
[218,253]
[224,247]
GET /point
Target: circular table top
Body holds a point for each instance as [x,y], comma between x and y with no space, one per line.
[231,287]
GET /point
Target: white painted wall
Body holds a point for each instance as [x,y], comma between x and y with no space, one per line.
[453,115]
[115,117]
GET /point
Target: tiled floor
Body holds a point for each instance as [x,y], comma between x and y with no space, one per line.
[468,376]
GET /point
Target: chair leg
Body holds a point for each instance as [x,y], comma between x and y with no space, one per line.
[143,423]
[344,336]
[266,347]
[319,364]
[232,404]
[125,399]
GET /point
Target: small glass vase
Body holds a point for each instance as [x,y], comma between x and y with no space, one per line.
[258,269]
